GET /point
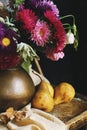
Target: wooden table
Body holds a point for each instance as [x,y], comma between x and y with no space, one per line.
[74,113]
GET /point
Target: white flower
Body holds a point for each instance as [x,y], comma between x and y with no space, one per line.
[70,38]
[2,20]
[1,5]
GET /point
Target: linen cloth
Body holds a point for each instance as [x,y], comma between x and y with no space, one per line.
[40,121]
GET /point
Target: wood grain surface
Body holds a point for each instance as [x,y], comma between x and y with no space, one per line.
[74,113]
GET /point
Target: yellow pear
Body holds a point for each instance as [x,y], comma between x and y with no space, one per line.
[49,86]
[42,98]
[45,83]
[63,92]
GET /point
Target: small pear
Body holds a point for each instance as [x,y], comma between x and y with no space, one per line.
[49,86]
[63,92]
[43,99]
[45,83]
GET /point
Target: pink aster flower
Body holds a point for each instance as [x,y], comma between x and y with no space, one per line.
[27,19]
[55,56]
[40,34]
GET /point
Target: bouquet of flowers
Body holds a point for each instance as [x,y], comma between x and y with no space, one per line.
[32,26]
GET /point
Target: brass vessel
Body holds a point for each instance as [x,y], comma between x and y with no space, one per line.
[16,88]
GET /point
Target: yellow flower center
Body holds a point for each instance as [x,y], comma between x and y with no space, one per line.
[6,41]
[41,32]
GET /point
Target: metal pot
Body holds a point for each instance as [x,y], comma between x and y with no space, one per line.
[16,88]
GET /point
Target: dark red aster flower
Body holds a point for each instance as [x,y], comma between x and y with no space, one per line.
[27,19]
[9,61]
[59,35]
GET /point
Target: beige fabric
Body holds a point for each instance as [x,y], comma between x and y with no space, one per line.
[36,76]
[2,127]
[36,120]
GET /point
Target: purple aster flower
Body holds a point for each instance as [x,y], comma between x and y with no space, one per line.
[49,5]
[8,47]
[8,40]
[40,6]
[20,7]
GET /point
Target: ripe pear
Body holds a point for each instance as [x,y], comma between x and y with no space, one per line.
[46,83]
[43,99]
[63,92]
[49,86]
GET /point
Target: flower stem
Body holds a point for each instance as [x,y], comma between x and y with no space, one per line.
[67,16]
[38,66]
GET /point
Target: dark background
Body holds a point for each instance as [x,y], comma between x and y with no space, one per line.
[73,67]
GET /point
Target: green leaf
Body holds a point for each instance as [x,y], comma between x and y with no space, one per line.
[25,65]
[26,52]
[75,43]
